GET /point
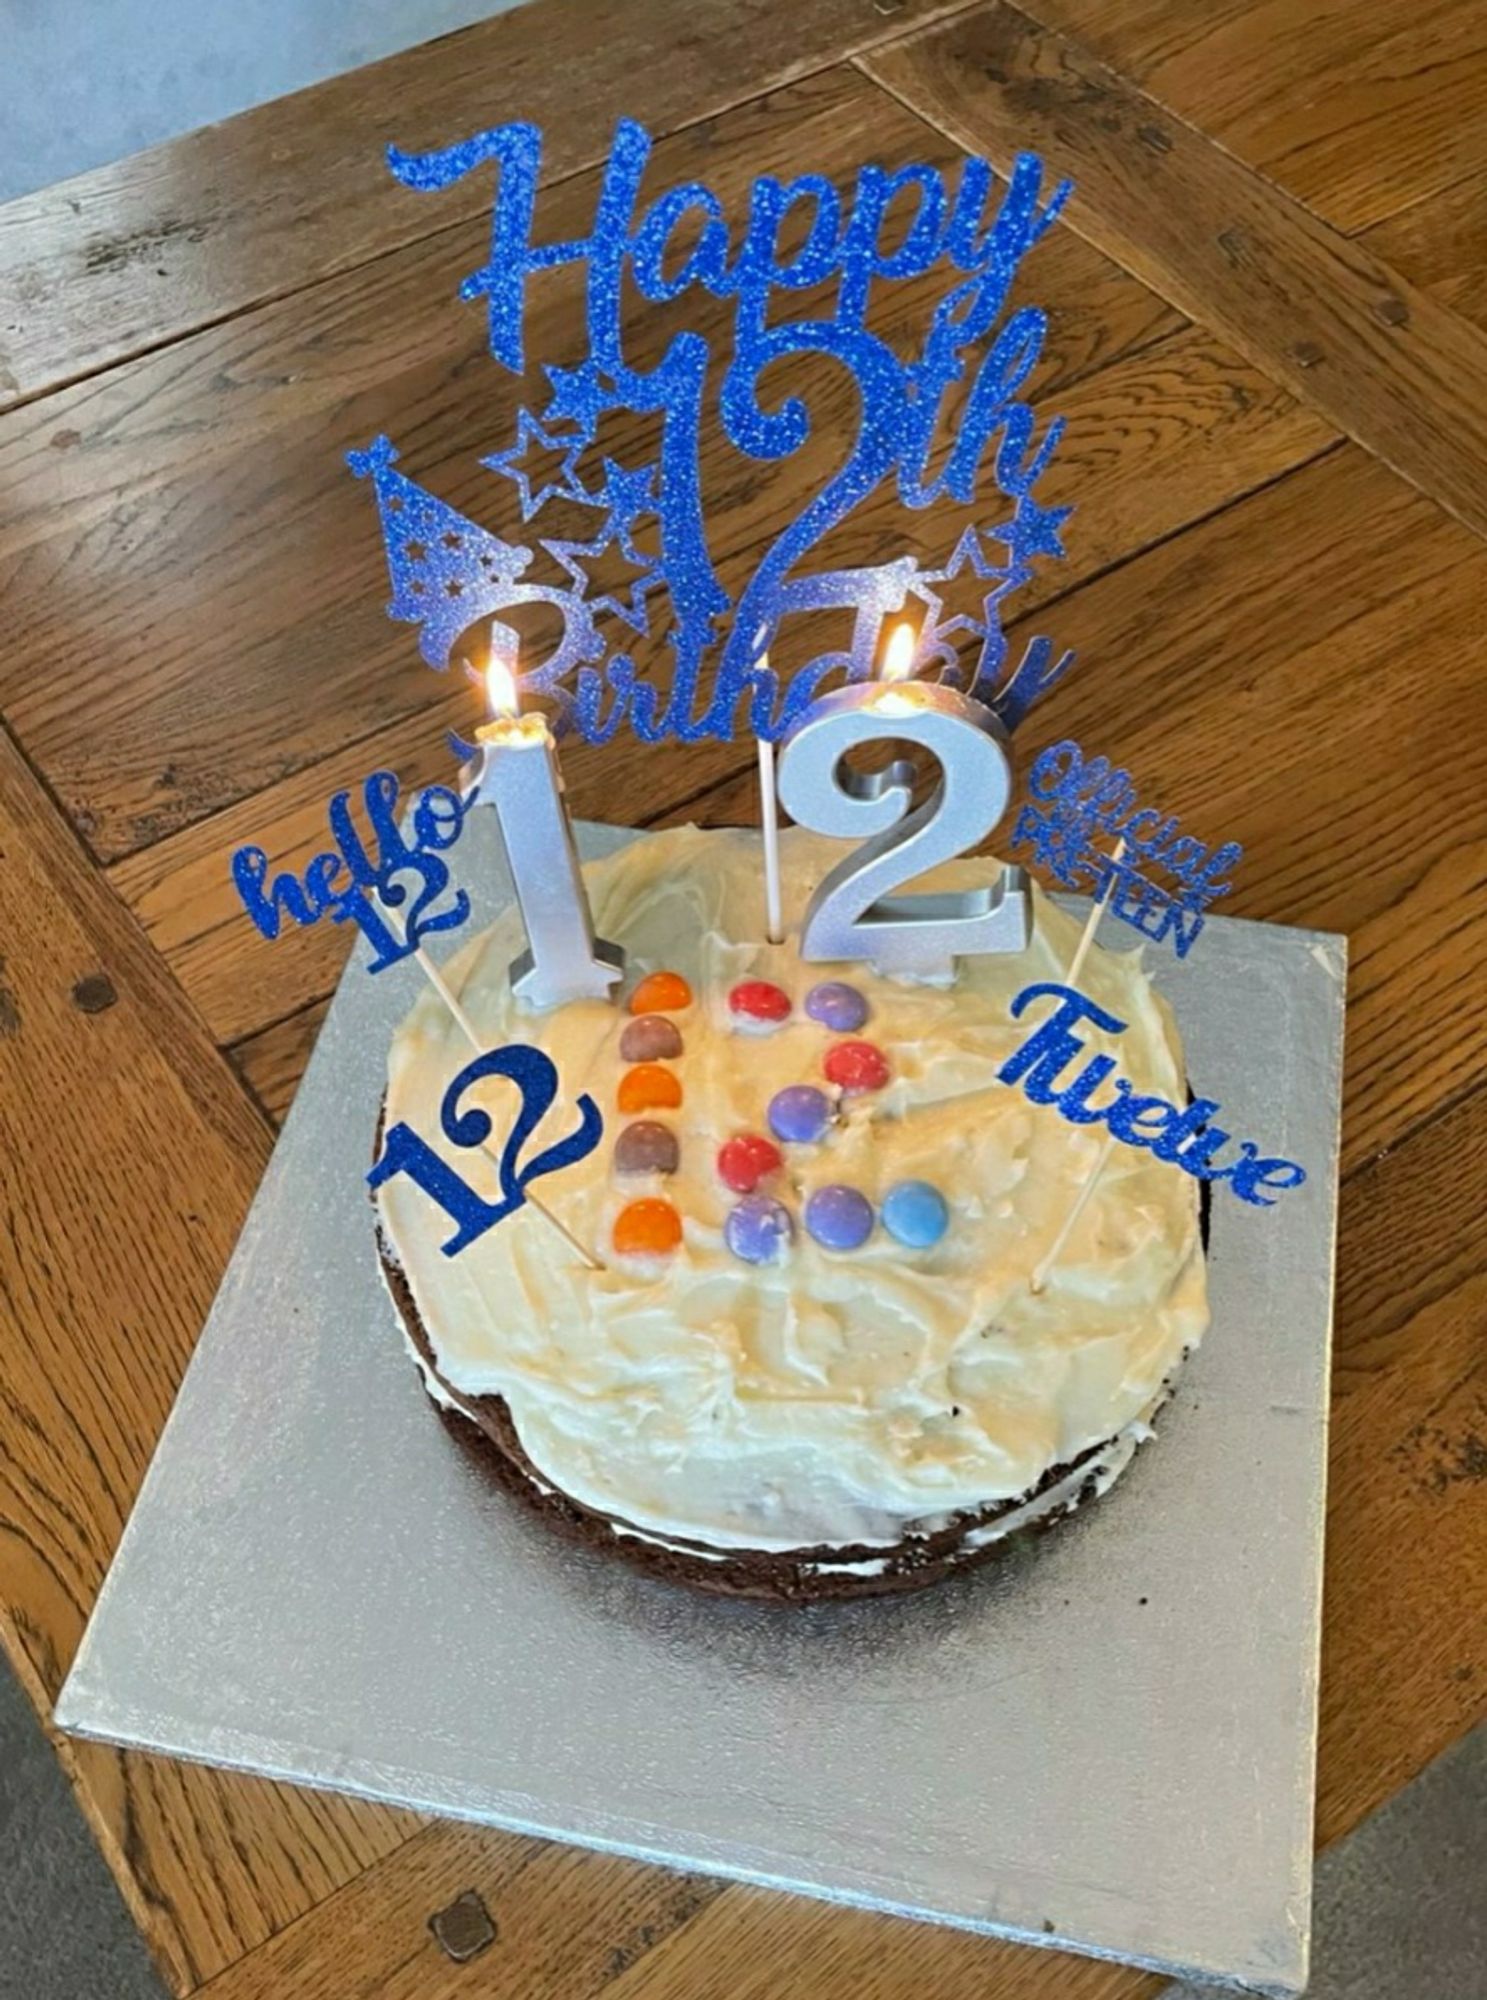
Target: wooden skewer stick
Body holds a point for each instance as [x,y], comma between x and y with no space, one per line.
[1039,1275]
[1092,923]
[466,1027]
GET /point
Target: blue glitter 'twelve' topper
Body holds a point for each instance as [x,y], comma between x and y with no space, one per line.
[447,572]
[1077,800]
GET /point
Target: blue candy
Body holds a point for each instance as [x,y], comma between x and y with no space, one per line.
[799,1114]
[915,1214]
[759,1230]
[837,1006]
[839,1218]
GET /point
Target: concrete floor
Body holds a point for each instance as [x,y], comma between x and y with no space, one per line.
[86,81]
[1401,1910]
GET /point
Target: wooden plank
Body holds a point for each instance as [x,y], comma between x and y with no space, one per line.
[566,1923]
[1437,245]
[189,516]
[272,1062]
[1404,1534]
[752,1945]
[1326,318]
[1355,110]
[130,1154]
[1156,440]
[136,254]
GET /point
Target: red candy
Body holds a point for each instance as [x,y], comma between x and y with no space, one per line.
[856,1066]
[746,1160]
[759,1001]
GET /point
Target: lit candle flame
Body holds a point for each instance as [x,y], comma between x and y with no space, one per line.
[500,687]
[898,663]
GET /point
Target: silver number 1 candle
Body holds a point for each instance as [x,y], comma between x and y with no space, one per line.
[851,915]
[516,771]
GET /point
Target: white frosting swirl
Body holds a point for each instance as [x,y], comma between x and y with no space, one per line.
[835,1399]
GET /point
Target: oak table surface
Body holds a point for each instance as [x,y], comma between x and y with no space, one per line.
[1268,307]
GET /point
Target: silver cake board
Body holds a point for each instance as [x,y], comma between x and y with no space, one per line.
[1106,1740]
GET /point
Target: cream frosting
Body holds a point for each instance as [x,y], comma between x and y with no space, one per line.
[837,1398]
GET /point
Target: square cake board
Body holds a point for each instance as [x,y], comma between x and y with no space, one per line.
[1105,1740]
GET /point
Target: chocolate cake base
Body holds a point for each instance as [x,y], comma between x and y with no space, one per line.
[483,1425]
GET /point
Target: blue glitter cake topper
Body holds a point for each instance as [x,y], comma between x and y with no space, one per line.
[358,885]
[448,572]
[535,1075]
[1076,800]
[1184,1135]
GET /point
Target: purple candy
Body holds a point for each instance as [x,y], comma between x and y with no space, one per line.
[759,1230]
[839,1218]
[799,1114]
[837,1006]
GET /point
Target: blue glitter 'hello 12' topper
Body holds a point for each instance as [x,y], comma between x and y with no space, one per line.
[448,572]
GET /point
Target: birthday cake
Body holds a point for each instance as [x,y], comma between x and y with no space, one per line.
[843,1340]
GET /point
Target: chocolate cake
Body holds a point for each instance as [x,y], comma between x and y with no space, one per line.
[827,1421]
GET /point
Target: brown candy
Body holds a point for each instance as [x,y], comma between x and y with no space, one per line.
[650,1038]
[646,1147]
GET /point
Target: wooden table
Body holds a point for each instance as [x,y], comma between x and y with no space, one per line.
[1269,334]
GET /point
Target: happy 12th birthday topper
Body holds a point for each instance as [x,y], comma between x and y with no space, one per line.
[1077,799]
[448,572]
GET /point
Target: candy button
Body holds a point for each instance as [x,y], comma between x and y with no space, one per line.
[649,1227]
[759,1231]
[651,1038]
[837,1006]
[757,1005]
[856,1066]
[800,1113]
[646,1147]
[915,1214]
[839,1218]
[648,1087]
[661,993]
[745,1160]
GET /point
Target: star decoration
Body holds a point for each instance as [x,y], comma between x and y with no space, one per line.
[968,558]
[626,600]
[567,484]
[577,397]
[1032,531]
[627,496]
[967,550]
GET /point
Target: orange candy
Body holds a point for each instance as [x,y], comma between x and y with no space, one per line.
[648,1087]
[661,993]
[647,1228]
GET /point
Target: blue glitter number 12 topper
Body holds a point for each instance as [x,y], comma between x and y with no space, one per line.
[448,572]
